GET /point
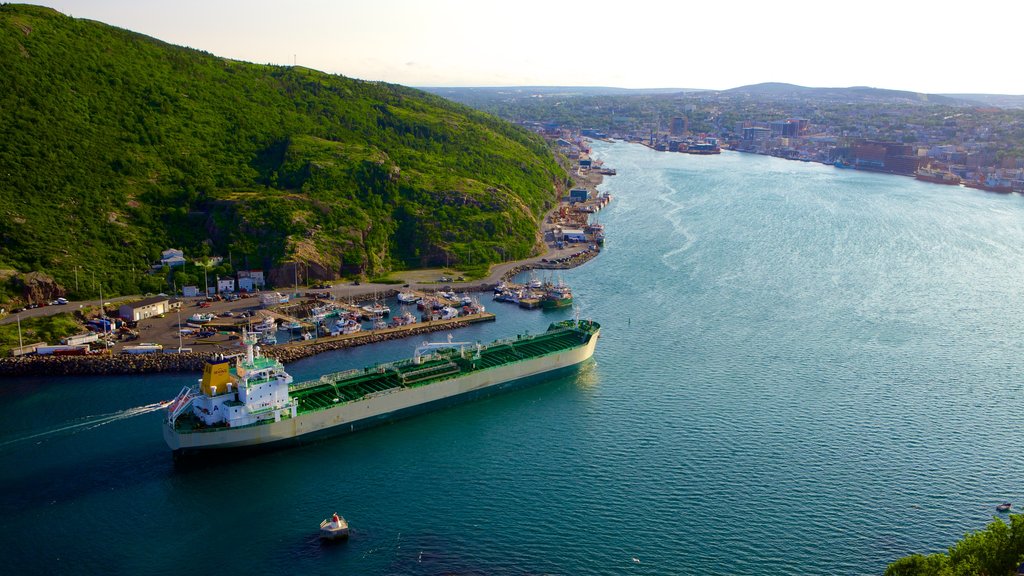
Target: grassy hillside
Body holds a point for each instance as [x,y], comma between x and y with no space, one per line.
[114,146]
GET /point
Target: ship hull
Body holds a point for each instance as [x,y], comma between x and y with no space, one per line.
[353,416]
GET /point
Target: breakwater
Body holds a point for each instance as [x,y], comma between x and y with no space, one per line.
[113,364]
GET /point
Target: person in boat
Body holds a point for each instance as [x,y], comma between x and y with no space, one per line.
[335,520]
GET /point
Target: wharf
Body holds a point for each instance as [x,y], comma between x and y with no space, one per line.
[393,331]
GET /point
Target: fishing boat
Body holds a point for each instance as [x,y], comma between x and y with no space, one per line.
[199,318]
[408,298]
[936,176]
[292,326]
[251,400]
[404,319]
[376,309]
[556,296]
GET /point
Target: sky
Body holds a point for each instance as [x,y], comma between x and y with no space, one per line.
[937,46]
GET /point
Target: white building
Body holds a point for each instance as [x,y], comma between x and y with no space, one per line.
[145,308]
[172,257]
[250,280]
[225,285]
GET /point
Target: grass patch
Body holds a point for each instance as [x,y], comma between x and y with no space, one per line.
[387,279]
[49,329]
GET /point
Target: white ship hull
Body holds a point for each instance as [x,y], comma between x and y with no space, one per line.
[367,412]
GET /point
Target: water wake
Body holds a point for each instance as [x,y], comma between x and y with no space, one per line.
[90,422]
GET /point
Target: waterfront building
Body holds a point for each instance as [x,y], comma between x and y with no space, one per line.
[146,308]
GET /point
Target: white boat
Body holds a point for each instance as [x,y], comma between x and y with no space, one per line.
[377,309]
[408,298]
[534,282]
[199,318]
[267,324]
[334,529]
[447,313]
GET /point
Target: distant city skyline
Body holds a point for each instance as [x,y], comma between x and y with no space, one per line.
[932,47]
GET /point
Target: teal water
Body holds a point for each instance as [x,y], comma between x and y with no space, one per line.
[803,370]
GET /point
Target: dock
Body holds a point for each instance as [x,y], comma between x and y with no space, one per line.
[393,331]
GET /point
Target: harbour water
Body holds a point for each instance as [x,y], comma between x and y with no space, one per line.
[802,370]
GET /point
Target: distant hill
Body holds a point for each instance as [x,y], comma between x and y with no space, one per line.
[850,94]
[449,92]
[115,145]
[998,100]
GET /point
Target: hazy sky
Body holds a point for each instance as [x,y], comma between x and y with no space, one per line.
[935,46]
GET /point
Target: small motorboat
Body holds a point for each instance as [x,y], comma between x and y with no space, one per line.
[334,529]
[1004,507]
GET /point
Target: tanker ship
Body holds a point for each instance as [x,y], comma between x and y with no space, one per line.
[251,401]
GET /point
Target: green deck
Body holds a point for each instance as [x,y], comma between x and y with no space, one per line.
[355,385]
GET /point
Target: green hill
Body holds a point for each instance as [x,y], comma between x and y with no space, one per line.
[115,146]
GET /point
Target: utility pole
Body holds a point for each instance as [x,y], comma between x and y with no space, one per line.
[178,310]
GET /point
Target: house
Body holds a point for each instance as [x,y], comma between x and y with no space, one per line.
[143,309]
[190,291]
[250,280]
[172,257]
[225,285]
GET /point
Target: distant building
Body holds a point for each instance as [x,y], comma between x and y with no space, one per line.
[143,309]
[756,134]
[225,285]
[579,195]
[190,291]
[678,126]
[573,235]
[585,162]
[891,157]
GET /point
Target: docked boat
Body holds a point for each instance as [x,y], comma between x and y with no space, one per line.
[376,310]
[408,298]
[293,326]
[991,184]
[199,318]
[404,319]
[937,176]
[334,529]
[252,401]
[556,296]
